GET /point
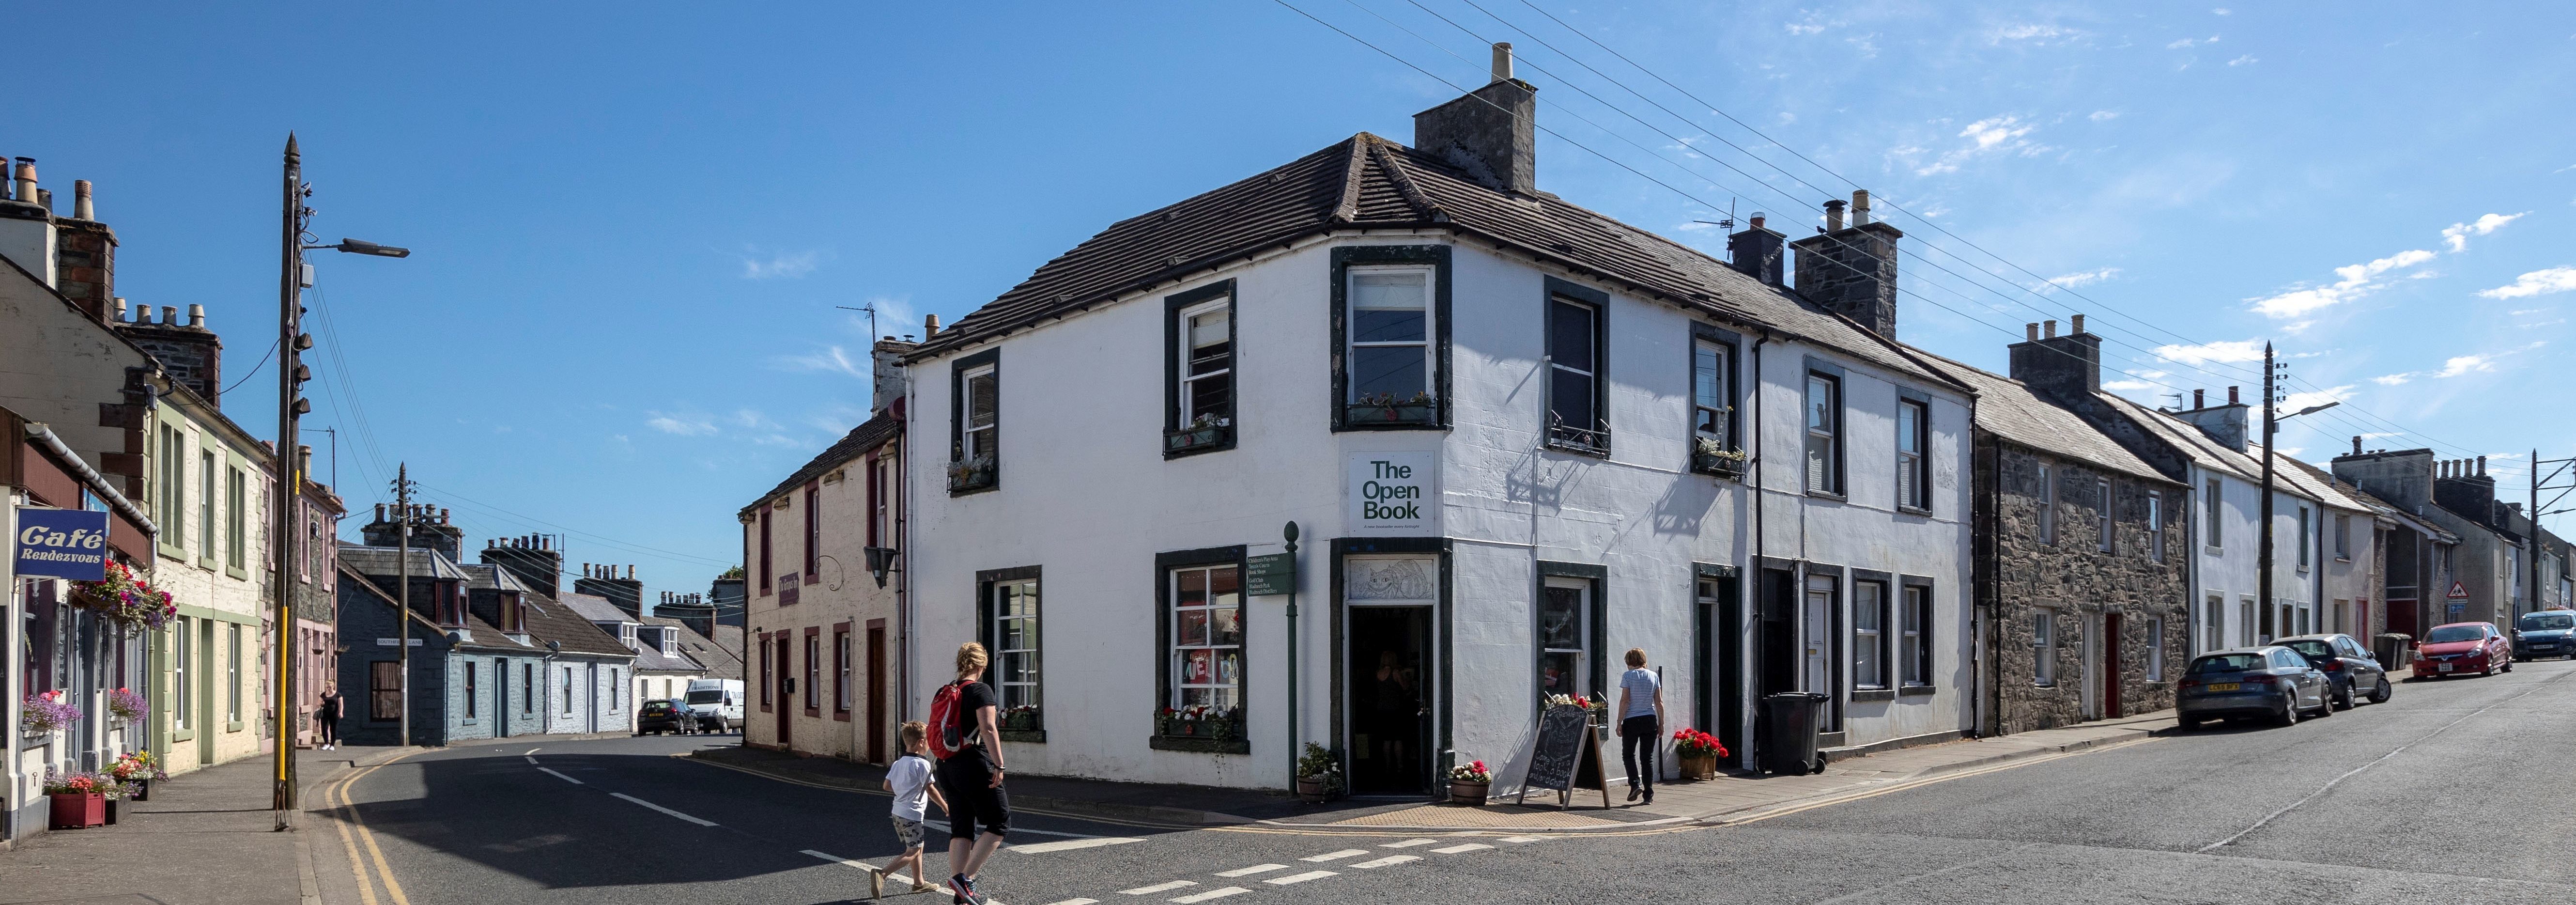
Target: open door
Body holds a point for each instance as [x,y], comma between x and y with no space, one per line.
[2110,670]
[1390,686]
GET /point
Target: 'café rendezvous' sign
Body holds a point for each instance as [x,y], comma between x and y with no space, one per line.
[1391,491]
[63,543]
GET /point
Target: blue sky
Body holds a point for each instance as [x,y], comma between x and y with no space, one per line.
[633,222]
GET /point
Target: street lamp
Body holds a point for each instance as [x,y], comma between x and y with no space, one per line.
[291,375]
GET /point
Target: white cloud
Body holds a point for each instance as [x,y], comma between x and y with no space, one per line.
[1813,24]
[2127,385]
[2101,115]
[2390,380]
[685,425]
[2463,364]
[2232,351]
[1992,135]
[2457,365]
[2035,33]
[2080,278]
[2191,42]
[2297,401]
[2221,11]
[831,359]
[2244,60]
[2457,234]
[2537,282]
[2356,280]
[778,265]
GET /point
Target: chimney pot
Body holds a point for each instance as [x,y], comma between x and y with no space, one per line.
[930,325]
[120,308]
[196,315]
[380,512]
[2482,466]
[2030,332]
[1833,215]
[1502,61]
[170,315]
[2048,329]
[2077,325]
[1860,207]
[2199,398]
[81,209]
[1757,220]
[2356,445]
[2231,396]
[45,199]
[27,180]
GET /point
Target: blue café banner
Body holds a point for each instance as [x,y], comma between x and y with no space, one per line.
[63,543]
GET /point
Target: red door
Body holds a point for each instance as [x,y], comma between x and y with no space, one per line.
[876,692]
[785,686]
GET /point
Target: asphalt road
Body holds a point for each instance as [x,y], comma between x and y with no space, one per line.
[2454,791]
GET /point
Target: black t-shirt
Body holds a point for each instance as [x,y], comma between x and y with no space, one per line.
[971,701]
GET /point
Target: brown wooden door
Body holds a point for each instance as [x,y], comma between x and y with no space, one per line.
[876,694]
[2111,666]
[786,686]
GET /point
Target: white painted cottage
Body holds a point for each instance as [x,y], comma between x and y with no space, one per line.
[1486,410]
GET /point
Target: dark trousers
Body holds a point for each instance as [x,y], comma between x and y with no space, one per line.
[973,800]
[330,729]
[1638,745]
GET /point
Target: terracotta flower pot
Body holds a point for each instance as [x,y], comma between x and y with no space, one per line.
[1471,794]
[78,810]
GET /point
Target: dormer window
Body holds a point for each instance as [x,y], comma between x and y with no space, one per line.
[626,633]
[451,603]
[670,642]
[513,619]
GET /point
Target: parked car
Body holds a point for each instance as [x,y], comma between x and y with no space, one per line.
[662,715]
[717,704]
[2548,633]
[2463,647]
[2351,669]
[2271,681]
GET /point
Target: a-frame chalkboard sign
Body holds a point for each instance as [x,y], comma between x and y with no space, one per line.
[1566,757]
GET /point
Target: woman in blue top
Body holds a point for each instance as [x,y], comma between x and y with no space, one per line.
[1641,724]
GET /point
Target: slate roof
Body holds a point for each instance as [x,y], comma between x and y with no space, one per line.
[648,656]
[2008,409]
[481,635]
[2182,435]
[1370,182]
[719,662]
[726,645]
[594,607]
[2308,479]
[425,562]
[870,434]
[547,619]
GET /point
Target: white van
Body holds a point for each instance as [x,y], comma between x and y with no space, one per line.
[717,703]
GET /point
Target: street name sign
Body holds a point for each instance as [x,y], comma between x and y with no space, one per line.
[63,543]
[1275,573]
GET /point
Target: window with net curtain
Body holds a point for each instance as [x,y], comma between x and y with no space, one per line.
[1207,637]
[1389,335]
[1869,636]
[1824,433]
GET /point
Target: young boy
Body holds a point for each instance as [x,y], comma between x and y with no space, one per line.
[909,780]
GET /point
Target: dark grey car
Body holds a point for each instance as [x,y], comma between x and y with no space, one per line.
[2548,633]
[2349,667]
[2270,682]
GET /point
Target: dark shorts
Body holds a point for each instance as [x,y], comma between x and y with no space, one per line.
[972,798]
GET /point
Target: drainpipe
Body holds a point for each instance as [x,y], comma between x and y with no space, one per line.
[1753,715]
[43,435]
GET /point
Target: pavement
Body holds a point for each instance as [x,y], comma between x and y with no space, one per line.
[2446,793]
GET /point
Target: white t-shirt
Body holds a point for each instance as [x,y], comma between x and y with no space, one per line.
[911,778]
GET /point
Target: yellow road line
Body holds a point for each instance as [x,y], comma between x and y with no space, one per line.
[393,888]
[357,868]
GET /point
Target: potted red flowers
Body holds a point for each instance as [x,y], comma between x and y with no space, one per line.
[1468,784]
[79,800]
[1698,752]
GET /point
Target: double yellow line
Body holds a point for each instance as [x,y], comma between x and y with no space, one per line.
[337,796]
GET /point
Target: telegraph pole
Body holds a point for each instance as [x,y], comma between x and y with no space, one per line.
[291,342]
[2263,585]
[402,591]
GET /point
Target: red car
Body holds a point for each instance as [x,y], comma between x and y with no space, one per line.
[2463,647]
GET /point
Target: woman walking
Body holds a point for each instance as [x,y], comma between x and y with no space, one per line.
[1641,725]
[963,714]
[327,715]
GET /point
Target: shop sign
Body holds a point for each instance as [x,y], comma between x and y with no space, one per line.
[62,543]
[1390,491]
[1275,573]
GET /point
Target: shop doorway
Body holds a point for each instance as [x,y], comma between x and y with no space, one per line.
[1391,698]
[2110,666]
[786,689]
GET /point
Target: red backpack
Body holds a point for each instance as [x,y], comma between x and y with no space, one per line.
[948,731]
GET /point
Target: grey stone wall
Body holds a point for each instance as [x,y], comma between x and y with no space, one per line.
[2083,587]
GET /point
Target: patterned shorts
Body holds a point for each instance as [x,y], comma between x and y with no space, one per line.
[907,832]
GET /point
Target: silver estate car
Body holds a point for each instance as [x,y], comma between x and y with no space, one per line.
[2271,682]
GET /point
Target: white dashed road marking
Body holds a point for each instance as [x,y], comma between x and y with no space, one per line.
[1335,856]
[531,760]
[1211,894]
[1249,871]
[1300,878]
[1158,887]
[559,776]
[649,804]
[844,862]
[1409,843]
[1075,902]
[1522,840]
[1067,845]
[1388,861]
[1457,849]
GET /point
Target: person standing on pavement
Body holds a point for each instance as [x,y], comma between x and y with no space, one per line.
[1641,725]
[909,780]
[970,773]
[327,715]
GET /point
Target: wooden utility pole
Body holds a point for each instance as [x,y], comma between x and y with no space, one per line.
[289,472]
[402,592]
[2263,585]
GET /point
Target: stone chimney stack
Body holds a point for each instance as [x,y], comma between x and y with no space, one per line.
[1757,251]
[1491,132]
[27,234]
[887,358]
[2228,424]
[626,592]
[1851,270]
[192,354]
[430,530]
[531,557]
[2065,369]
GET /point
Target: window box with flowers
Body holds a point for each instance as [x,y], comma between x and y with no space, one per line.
[1206,432]
[136,771]
[1469,783]
[45,713]
[970,475]
[1385,408]
[1202,728]
[1710,457]
[1698,753]
[1024,723]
